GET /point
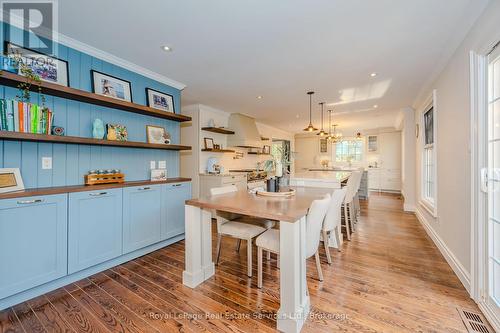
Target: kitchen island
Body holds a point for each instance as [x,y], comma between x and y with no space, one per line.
[325,179]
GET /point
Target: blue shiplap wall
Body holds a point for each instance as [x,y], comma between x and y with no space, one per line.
[72,162]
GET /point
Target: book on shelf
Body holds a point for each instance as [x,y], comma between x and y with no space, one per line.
[17,116]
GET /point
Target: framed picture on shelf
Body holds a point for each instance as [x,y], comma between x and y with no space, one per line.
[49,69]
[158,175]
[10,180]
[110,86]
[157,135]
[116,132]
[266,149]
[209,143]
[160,101]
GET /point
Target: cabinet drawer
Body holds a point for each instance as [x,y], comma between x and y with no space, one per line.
[33,242]
[141,217]
[95,228]
[233,179]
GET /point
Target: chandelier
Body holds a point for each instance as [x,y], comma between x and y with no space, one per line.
[335,137]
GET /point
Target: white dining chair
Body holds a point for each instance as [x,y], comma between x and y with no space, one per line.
[348,205]
[238,226]
[270,240]
[333,220]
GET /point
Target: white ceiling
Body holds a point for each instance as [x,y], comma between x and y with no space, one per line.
[228,52]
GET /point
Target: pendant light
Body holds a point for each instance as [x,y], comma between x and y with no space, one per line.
[336,136]
[310,128]
[329,137]
[322,132]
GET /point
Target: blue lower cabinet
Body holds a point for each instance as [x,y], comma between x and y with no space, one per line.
[33,242]
[95,228]
[173,198]
[141,216]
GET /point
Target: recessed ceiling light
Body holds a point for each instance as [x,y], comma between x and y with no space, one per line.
[373,74]
[259,97]
[375,106]
[166,48]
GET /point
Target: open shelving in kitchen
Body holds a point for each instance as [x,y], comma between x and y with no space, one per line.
[13,80]
[219,150]
[219,130]
[18,136]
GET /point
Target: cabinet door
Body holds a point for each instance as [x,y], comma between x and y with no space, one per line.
[33,242]
[173,198]
[374,179]
[95,228]
[141,217]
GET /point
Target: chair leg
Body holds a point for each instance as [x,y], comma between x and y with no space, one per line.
[327,249]
[238,245]
[259,267]
[352,216]
[268,255]
[278,261]
[219,237]
[249,257]
[338,234]
[318,266]
[346,221]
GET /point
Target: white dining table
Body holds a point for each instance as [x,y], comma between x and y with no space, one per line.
[291,214]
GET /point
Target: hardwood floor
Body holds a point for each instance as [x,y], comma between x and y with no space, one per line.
[389,278]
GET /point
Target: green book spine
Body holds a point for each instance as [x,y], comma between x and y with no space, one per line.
[3,115]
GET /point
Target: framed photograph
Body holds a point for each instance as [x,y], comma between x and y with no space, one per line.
[209,143]
[323,145]
[10,180]
[116,132]
[266,149]
[48,68]
[110,86]
[161,101]
[157,134]
[158,175]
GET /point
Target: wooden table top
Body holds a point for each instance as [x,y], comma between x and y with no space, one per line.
[288,209]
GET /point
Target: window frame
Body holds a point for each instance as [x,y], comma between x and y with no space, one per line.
[361,153]
[429,204]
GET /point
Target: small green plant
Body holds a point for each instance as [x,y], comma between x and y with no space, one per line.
[31,79]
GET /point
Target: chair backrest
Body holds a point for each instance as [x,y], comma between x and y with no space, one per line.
[334,213]
[352,186]
[223,217]
[223,190]
[314,223]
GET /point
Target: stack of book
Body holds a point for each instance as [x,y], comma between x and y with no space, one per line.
[25,117]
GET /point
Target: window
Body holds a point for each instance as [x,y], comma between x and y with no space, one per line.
[429,158]
[349,150]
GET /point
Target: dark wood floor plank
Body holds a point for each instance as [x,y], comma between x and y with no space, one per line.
[28,319]
[48,315]
[9,323]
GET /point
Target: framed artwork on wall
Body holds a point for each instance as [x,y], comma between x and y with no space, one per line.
[110,86]
[157,135]
[10,180]
[160,101]
[49,69]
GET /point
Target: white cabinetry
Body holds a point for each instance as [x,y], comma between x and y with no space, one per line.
[210,181]
[387,177]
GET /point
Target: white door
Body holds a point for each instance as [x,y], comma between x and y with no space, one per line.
[492,187]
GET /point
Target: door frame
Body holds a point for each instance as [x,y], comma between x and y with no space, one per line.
[478,61]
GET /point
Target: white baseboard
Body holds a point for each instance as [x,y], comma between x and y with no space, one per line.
[490,316]
[456,266]
[409,208]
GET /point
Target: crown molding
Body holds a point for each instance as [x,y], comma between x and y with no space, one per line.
[60,38]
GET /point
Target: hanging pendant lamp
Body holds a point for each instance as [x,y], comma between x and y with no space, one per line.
[310,128]
[336,136]
[322,132]
[329,137]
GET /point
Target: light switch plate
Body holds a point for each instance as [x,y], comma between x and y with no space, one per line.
[162,164]
[152,165]
[46,163]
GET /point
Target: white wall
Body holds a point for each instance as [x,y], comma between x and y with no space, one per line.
[452,227]
[408,142]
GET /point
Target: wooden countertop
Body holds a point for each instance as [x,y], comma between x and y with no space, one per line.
[281,209]
[82,188]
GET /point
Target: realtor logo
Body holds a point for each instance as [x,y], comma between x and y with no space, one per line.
[37,19]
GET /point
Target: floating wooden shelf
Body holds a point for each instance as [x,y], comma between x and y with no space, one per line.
[217,130]
[264,138]
[219,150]
[257,153]
[17,136]
[82,188]
[12,80]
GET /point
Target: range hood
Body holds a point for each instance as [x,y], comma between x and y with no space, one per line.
[245,130]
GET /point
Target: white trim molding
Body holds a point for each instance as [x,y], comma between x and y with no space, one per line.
[60,38]
[462,273]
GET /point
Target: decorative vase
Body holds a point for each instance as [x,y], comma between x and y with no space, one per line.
[98,129]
